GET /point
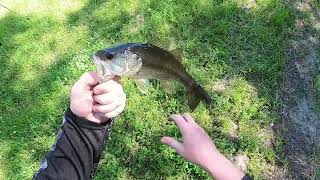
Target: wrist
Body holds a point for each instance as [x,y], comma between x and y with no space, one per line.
[97,118]
[221,168]
[84,122]
[214,162]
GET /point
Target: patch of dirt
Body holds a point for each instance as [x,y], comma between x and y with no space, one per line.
[233,131]
[136,24]
[249,5]
[222,84]
[241,161]
[300,121]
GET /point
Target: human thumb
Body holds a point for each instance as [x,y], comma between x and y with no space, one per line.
[88,80]
[173,143]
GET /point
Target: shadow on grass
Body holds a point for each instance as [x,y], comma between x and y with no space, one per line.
[218,39]
[10,73]
[28,120]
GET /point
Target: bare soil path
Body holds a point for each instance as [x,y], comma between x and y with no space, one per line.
[300,121]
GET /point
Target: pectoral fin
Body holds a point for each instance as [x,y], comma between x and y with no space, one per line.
[143,85]
[168,86]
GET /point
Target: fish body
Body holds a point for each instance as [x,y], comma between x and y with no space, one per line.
[147,61]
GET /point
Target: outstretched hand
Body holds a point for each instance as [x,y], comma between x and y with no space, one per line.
[97,102]
[196,145]
[198,148]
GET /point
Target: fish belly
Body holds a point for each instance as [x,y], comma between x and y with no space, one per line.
[153,73]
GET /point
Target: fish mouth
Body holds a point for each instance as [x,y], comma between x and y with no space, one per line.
[99,66]
[103,68]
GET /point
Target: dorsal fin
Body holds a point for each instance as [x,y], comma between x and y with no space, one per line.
[158,43]
[176,54]
[172,48]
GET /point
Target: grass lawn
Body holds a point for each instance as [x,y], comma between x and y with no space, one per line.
[236,49]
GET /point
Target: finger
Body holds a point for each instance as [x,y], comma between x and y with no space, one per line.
[89,79]
[116,112]
[106,108]
[173,143]
[107,87]
[188,117]
[105,99]
[180,122]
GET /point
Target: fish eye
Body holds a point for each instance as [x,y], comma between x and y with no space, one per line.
[109,55]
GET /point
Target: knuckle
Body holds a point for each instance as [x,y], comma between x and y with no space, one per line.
[84,75]
[121,108]
[116,103]
[102,87]
[110,83]
[96,90]
[117,85]
[112,106]
[97,108]
[123,97]
[110,115]
[99,99]
[116,111]
[74,90]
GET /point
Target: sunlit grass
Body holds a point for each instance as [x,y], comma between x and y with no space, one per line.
[54,8]
[317,89]
[228,42]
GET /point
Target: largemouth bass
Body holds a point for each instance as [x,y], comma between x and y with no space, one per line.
[146,61]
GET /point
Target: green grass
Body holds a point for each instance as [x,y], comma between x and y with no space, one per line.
[46,49]
[317,89]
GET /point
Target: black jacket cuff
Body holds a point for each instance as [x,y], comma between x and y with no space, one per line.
[83,122]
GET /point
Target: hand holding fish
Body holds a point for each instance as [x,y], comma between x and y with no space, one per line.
[198,148]
[96,102]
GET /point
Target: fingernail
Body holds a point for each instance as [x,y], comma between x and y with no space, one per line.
[173,116]
[163,140]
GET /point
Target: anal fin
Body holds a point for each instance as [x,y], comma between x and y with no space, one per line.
[143,85]
[168,86]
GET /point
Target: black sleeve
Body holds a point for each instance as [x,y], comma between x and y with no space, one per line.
[247,177]
[77,150]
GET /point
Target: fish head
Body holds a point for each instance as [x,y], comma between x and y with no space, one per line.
[120,60]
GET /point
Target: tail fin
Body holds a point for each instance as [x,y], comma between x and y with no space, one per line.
[197,93]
